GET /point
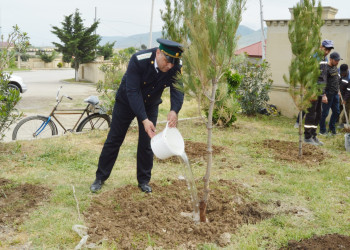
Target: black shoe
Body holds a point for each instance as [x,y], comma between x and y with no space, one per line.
[96,186]
[145,188]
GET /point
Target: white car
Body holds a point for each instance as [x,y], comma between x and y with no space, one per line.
[16,82]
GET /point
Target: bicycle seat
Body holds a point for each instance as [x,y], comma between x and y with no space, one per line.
[93,100]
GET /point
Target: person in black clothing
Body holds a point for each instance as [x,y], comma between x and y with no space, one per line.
[149,72]
[313,114]
[330,97]
[344,86]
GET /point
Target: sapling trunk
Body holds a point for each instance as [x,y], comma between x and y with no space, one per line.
[300,133]
[204,202]
[300,125]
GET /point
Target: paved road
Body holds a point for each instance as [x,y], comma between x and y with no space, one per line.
[42,89]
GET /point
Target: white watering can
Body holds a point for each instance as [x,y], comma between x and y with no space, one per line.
[168,143]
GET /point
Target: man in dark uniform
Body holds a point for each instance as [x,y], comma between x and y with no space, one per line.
[149,72]
[330,97]
[313,114]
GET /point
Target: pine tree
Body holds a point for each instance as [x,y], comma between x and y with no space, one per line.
[174,28]
[212,26]
[305,38]
[78,42]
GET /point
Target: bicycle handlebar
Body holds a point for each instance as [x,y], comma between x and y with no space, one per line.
[70,98]
[58,93]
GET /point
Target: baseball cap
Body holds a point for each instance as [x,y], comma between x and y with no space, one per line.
[328,44]
[335,56]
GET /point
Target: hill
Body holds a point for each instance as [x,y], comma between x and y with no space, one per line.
[246,34]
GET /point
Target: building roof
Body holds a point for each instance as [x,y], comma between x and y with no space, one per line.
[3,44]
[253,50]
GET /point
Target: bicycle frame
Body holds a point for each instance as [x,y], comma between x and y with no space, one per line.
[81,112]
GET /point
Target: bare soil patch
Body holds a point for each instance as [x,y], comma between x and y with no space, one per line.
[324,242]
[132,219]
[289,151]
[18,200]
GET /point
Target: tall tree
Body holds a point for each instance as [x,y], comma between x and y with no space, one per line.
[305,38]
[106,50]
[79,43]
[212,26]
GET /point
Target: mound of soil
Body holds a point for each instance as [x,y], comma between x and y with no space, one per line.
[17,200]
[324,242]
[132,219]
[289,151]
[195,151]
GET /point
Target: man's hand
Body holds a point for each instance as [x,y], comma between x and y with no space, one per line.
[149,128]
[324,99]
[172,119]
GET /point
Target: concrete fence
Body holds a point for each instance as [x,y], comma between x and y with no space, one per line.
[91,71]
[37,63]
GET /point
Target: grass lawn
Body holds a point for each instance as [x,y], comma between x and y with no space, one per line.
[317,193]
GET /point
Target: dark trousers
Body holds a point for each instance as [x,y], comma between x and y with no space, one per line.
[121,119]
[312,118]
[333,103]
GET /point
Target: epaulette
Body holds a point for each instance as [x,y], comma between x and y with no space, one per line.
[144,56]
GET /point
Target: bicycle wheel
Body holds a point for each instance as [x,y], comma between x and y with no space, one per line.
[94,121]
[27,128]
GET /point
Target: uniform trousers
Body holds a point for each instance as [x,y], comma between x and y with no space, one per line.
[312,118]
[333,103]
[121,119]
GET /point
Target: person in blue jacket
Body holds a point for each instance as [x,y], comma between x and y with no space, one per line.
[149,72]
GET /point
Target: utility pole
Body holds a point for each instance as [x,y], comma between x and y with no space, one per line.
[150,32]
[95,29]
[262,31]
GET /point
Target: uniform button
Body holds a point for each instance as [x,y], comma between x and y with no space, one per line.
[152,87]
[149,95]
[144,82]
[145,100]
[164,86]
[152,62]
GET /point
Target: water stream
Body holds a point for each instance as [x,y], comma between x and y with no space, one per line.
[191,185]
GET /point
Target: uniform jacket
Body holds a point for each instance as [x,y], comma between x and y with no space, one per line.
[142,86]
[332,78]
[345,89]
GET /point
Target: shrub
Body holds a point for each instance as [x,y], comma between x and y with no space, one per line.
[255,86]
[8,100]
[25,57]
[227,106]
[47,57]
[59,65]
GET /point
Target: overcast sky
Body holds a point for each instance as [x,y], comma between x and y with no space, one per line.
[123,17]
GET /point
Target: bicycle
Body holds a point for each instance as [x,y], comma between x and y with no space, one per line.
[38,126]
